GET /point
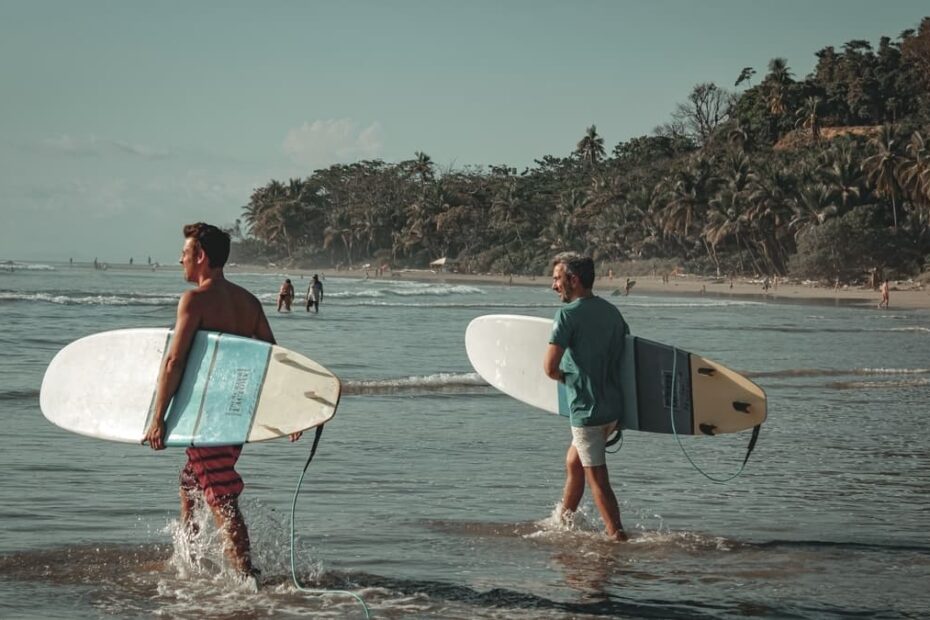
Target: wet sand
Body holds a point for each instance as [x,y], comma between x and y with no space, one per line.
[904,295]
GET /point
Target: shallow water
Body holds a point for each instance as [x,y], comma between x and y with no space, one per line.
[431,495]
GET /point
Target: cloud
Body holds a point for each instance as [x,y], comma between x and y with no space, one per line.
[326,142]
[92,146]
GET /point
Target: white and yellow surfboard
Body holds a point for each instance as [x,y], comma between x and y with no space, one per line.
[662,385]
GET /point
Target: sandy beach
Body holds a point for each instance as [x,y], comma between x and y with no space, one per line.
[910,295]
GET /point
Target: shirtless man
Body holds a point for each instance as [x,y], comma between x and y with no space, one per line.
[219,305]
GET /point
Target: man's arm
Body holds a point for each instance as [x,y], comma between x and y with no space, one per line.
[551,360]
[172,370]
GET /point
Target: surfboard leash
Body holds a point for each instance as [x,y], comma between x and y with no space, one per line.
[671,413]
[316,441]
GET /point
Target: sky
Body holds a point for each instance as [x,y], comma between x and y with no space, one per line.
[123,120]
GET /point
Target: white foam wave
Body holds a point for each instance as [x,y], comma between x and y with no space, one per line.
[439,382]
[485,304]
[18,266]
[416,291]
[871,385]
[81,299]
[911,328]
[835,372]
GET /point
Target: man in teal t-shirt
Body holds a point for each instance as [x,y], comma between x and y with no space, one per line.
[585,353]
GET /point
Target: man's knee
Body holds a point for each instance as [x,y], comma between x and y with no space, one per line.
[597,474]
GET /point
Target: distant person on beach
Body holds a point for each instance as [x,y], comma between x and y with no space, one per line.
[219,305]
[885,293]
[314,294]
[628,286]
[286,295]
[585,353]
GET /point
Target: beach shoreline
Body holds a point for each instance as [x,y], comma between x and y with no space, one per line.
[906,295]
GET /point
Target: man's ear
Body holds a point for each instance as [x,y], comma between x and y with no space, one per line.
[200,256]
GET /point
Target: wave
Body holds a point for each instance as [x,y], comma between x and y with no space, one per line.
[406,291]
[794,329]
[13,265]
[439,383]
[91,299]
[871,385]
[832,372]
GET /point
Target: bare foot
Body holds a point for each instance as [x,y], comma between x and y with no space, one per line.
[619,536]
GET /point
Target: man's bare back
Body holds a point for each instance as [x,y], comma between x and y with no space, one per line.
[220,305]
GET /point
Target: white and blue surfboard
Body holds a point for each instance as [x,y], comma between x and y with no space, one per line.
[234,390]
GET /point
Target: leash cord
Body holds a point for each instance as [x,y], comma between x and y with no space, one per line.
[316,441]
[671,414]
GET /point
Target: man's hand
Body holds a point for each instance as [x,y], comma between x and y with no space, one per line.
[155,436]
[296,436]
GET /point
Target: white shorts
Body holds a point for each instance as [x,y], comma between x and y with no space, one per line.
[591,443]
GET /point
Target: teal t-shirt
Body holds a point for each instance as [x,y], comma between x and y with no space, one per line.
[592,332]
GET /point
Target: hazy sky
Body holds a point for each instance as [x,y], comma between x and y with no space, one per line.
[122,120]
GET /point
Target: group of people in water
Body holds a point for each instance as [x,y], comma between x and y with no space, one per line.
[312,300]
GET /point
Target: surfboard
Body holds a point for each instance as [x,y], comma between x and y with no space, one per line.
[658,381]
[234,390]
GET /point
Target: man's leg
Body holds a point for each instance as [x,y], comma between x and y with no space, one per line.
[605,500]
[188,505]
[238,547]
[574,482]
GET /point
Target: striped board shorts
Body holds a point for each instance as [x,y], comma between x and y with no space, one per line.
[212,471]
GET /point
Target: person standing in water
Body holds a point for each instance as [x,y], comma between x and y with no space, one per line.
[885,291]
[585,353]
[286,295]
[314,294]
[219,305]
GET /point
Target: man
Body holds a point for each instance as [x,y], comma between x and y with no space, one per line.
[314,294]
[218,305]
[585,353]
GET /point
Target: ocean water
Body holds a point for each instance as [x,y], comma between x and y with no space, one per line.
[431,495]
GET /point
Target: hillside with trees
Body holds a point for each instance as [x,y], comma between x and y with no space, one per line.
[825,177]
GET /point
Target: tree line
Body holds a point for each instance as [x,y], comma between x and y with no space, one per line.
[824,177]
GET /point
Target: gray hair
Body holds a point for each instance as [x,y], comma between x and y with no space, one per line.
[578,265]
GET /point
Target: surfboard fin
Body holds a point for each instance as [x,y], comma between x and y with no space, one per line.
[741,406]
[710,372]
[708,429]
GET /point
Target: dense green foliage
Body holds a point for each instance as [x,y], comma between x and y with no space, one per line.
[827,177]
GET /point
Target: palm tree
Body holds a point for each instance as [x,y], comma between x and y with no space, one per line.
[843,174]
[809,117]
[915,170]
[423,167]
[883,167]
[812,206]
[776,90]
[688,198]
[745,75]
[591,147]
